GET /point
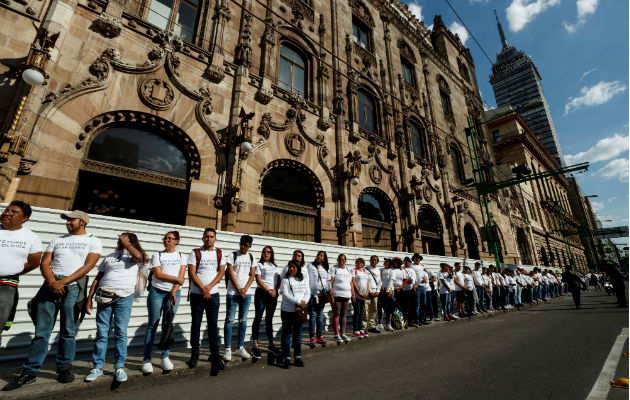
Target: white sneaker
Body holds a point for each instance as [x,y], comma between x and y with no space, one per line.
[345,338]
[241,352]
[147,367]
[380,328]
[166,364]
[389,328]
[227,356]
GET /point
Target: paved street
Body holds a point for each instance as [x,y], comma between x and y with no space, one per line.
[550,351]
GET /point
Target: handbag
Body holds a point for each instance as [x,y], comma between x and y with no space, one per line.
[105,296]
[168,332]
[324,295]
[300,313]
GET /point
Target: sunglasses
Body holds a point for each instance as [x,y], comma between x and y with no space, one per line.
[166,238]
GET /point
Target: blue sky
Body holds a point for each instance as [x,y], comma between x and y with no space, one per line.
[580,48]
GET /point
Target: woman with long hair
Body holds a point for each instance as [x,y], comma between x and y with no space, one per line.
[168,269]
[342,293]
[318,282]
[446,289]
[295,295]
[361,285]
[114,287]
[386,297]
[265,299]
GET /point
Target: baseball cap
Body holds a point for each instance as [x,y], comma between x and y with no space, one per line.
[76,214]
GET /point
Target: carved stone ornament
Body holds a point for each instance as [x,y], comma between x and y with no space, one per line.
[25,166]
[302,8]
[376,174]
[156,93]
[264,95]
[109,25]
[295,144]
[428,195]
[214,73]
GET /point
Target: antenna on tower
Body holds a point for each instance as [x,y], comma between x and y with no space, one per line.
[503,40]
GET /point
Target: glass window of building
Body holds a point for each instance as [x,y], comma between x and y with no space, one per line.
[292,74]
[407,71]
[456,162]
[179,16]
[367,111]
[415,134]
[361,34]
[446,103]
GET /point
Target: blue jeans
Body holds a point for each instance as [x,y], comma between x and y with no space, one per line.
[263,301]
[429,312]
[421,305]
[232,302]
[447,304]
[357,314]
[48,307]
[316,317]
[121,310]
[157,302]
[291,334]
[199,305]
[480,298]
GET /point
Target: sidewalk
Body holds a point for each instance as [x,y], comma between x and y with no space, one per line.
[46,385]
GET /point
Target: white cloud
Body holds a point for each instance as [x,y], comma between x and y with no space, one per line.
[479,1]
[597,206]
[584,9]
[595,95]
[612,199]
[590,71]
[605,149]
[460,30]
[521,12]
[416,9]
[617,168]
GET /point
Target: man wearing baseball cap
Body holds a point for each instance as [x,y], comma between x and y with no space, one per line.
[65,264]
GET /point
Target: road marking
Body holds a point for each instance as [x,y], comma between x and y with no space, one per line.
[602,385]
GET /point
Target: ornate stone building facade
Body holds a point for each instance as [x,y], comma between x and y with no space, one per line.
[540,209]
[340,122]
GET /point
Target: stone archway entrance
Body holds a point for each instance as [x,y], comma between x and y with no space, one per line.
[431,229]
[136,166]
[472,243]
[378,220]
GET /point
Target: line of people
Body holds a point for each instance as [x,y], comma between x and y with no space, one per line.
[402,293]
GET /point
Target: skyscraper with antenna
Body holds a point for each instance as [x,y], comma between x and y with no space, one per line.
[516,82]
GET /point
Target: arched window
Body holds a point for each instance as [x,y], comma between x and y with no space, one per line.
[292,73]
[367,111]
[431,231]
[179,16]
[361,34]
[127,168]
[416,135]
[456,162]
[376,221]
[471,242]
[407,71]
[290,205]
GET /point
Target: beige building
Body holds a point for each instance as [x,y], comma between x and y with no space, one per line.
[538,210]
[338,122]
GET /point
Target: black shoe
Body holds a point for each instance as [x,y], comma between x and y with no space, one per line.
[274,350]
[287,363]
[192,363]
[374,330]
[298,362]
[256,353]
[19,382]
[216,364]
[65,376]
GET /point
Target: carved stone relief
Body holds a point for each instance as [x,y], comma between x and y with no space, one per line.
[376,174]
[156,94]
[295,144]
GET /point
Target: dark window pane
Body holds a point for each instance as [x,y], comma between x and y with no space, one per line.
[284,77]
[407,72]
[366,112]
[299,78]
[370,207]
[416,140]
[446,103]
[185,21]
[289,185]
[138,149]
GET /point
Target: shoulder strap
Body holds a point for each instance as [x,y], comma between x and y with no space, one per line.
[251,259]
[197,256]
[373,276]
[219,257]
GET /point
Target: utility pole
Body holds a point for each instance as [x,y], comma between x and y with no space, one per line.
[485,185]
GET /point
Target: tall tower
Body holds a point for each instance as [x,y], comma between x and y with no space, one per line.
[516,82]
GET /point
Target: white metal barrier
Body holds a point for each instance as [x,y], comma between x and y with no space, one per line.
[48,225]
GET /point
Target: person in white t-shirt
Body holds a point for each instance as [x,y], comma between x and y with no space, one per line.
[370,312]
[320,292]
[169,269]
[460,289]
[469,283]
[206,268]
[117,273]
[267,277]
[445,278]
[295,295]
[479,288]
[241,271]
[65,265]
[342,292]
[422,278]
[361,284]
[386,300]
[20,252]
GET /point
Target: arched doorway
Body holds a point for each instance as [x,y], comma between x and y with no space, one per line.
[471,242]
[292,201]
[138,167]
[431,230]
[543,256]
[377,220]
[523,246]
